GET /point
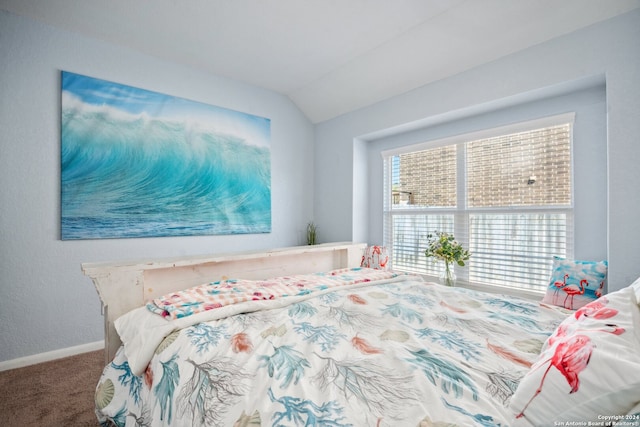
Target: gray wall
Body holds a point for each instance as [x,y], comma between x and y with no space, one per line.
[45,302]
[605,55]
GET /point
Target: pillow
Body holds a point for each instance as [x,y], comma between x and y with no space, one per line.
[574,284]
[636,288]
[589,367]
[375,257]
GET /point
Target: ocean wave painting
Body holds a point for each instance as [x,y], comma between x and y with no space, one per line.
[137,163]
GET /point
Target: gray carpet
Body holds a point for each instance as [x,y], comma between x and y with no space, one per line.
[56,393]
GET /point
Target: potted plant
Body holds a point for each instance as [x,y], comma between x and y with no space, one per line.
[311,233]
[443,246]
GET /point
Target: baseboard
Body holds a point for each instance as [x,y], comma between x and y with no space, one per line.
[50,355]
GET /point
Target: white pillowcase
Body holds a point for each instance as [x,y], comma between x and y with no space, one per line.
[589,368]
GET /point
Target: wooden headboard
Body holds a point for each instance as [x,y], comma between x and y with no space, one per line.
[126,285]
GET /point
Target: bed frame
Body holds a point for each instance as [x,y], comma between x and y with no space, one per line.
[124,286]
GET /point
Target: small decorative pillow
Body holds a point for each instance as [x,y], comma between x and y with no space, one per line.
[588,369]
[375,257]
[574,284]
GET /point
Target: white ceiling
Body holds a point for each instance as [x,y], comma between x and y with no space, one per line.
[329,56]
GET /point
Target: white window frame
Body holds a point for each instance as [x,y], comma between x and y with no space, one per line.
[461,211]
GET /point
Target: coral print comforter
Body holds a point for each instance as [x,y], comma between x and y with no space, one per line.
[373,349]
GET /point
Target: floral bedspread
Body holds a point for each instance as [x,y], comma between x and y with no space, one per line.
[398,353]
[214,295]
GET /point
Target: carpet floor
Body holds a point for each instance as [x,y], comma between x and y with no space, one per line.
[55,393]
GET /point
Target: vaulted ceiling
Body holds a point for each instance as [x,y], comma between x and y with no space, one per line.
[328,56]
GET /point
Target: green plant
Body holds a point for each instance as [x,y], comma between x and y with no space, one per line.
[443,246]
[311,233]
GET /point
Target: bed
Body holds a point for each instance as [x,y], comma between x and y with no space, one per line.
[305,336]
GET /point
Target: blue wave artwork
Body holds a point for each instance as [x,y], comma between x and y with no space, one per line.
[137,163]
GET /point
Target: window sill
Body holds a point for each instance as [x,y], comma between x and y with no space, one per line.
[494,289]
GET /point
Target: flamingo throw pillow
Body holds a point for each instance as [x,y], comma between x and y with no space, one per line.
[376,257]
[574,283]
[589,367]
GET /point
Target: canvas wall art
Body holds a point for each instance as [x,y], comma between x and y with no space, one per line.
[137,163]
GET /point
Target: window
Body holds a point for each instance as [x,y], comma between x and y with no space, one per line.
[506,194]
